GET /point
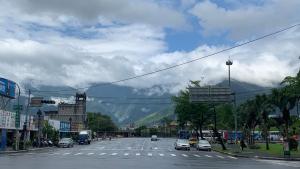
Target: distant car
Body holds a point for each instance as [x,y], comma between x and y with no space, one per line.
[193,142]
[154,138]
[66,142]
[203,145]
[182,144]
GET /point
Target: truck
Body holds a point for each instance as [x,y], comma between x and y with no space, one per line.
[85,137]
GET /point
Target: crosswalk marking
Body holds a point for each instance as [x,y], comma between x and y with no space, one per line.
[184,155]
[126,154]
[220,156]
[90,154]
[66,153]
[77,154]
[196,155]
[102,154]
[232,157]
[173,155]
[113,154]
[208,156]
[161,155]
[137,154]
[149,154]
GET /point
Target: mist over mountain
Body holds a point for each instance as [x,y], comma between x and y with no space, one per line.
[128,105]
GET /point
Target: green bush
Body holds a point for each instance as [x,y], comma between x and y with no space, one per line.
[293,144]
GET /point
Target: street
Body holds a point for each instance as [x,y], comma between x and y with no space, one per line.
[129,153]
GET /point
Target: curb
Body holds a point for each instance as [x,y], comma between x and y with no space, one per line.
[258,157]
[24,151]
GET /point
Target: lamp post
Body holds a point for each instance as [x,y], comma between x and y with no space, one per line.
[17,122]
[229,63]
[39,113]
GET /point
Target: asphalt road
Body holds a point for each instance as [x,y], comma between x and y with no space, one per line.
[133,153]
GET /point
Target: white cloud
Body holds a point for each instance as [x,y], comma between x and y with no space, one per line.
[47,53]
[246,21]
[96,11]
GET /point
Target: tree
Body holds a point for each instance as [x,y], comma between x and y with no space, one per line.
[284,102]
[98,123]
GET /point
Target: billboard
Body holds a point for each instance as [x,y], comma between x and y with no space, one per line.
[7,119]
[7,88]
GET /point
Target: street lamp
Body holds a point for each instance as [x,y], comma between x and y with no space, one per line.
[229,63]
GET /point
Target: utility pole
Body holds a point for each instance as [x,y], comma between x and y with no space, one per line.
[26,121]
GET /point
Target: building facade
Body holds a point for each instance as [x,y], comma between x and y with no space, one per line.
[74,113]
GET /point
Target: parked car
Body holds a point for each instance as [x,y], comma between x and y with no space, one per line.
[203,145]
[182,144]
[66,142]
[154,138]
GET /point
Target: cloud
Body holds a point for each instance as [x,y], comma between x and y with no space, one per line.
[247,20]
[77,55]
[105,12]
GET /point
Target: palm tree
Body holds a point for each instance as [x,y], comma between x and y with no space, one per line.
[284,102]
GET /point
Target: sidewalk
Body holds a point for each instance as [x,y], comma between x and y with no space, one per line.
[234,150]
[22,151]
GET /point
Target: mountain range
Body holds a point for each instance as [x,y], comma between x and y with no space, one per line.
[127,105]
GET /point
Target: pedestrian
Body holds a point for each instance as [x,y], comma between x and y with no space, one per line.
[242,144]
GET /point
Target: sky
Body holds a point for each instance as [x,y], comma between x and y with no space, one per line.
[78,43]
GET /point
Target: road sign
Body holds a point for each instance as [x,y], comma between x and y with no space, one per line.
[210,94]
[7,88]
[36,102]
[18,107]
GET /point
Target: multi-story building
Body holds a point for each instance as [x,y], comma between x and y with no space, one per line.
[74,113]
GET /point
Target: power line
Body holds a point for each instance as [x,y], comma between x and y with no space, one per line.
[184,63]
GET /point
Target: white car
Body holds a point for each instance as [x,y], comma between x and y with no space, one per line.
[154,138]
[203,145]
[182,144]
[66,142]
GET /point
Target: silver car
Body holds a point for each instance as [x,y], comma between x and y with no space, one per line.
[66,142]
[203,145]
[182,144]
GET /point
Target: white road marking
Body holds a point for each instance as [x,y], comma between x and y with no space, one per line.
[196,155]
[77,154]
[66,153]
[232,157]
[161,155]
[283,163]
[220,156]
[143,144]
[149,154]
[137,154]
[129,148]
[155,148]
[101,154]
[113,154]
[101,148]
[126,154]
[184,155]
[55,153]
[208,156]
[90,154]
[173,155]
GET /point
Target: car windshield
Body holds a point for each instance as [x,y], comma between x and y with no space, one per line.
[65,140]
[182,141]
[137,84]
[203,142]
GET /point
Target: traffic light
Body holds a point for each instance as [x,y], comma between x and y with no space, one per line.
[48,101]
